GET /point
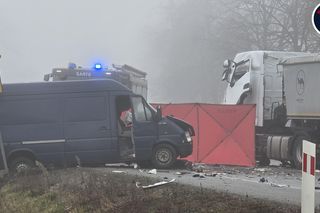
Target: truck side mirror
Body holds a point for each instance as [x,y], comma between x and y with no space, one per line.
[227,63]
[224,75]
[46,77]
[159,113]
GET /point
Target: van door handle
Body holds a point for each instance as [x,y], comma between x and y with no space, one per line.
[103,129]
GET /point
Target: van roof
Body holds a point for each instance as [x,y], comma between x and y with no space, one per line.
[62,87]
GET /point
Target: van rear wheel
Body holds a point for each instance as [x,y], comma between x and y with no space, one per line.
[21,164]
[164,156]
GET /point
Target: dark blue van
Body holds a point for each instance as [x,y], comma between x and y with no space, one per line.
[91,121]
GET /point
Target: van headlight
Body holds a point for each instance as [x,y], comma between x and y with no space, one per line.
[189,139]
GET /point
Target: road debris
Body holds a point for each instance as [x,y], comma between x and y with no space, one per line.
[182,173]
[152,171]
[118,171]
[163,171]
[198,167]
[135,166]
[278,185]
[262,180]
[161,183]
[199,175]
[117,165]
[260,170]
[213,174]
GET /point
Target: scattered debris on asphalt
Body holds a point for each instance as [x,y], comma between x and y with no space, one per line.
[199,175]
[118,171]
[161,183]
[213,174]
[183,172]
[152,171]
[260,169]
[163,171]
[135,166]
[262,180]
[196,175]
[118,165]
[278,185]
[198,167]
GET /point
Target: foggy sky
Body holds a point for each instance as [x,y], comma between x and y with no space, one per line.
[38,35]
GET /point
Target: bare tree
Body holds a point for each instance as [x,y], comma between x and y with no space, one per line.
[200,35]
[277,24]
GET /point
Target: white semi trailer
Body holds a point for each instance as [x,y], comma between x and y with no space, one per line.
[284,87]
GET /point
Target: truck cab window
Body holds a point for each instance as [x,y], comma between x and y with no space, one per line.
[240,71]
[141,110]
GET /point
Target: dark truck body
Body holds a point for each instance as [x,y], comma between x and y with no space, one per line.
[60,122]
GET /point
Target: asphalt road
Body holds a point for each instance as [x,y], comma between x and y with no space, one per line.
[272,183]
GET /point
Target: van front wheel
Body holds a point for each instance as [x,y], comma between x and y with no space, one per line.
[164,156]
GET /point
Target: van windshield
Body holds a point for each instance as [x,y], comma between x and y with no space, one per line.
[141,110]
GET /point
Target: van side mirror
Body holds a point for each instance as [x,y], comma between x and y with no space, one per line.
[159,113]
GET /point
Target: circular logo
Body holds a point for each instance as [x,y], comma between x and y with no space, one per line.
[316,18]
[300,82]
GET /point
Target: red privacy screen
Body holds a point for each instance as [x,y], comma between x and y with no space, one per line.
[225,134]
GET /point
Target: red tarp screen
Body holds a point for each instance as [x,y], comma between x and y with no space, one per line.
[225,134]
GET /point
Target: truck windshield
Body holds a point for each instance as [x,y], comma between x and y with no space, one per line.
[241,69]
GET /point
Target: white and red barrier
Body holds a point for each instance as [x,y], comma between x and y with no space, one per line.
[308,178]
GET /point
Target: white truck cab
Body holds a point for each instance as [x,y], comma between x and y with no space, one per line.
[254,78]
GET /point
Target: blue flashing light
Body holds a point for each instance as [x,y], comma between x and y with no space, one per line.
[98,66]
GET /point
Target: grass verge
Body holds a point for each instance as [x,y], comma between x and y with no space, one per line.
[89,190]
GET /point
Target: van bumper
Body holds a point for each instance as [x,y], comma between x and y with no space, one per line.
[185,150]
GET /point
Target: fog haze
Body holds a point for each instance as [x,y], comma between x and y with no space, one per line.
[181,44]
[39,35]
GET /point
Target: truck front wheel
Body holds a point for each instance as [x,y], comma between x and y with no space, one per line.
[164,156]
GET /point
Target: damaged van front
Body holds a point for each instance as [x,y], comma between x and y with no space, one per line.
[186,132]
[161,139]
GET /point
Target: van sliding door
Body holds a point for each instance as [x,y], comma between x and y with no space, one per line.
[87,129]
